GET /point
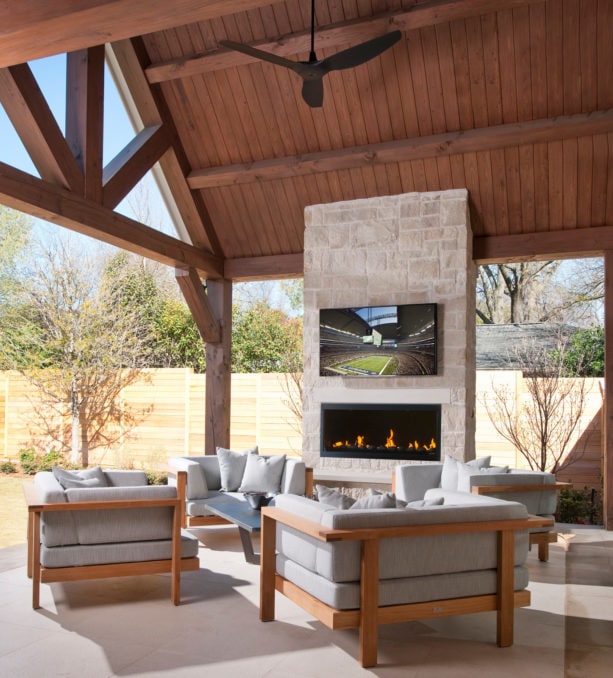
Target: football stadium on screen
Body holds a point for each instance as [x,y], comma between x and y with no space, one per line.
[377,341]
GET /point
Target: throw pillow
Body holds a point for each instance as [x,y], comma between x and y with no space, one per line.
[400,503]
[449,475]
[89,477]
[327,495]
[262,474]
[232,467]
[494,469]
[466,471]
[376,501]
[424,503]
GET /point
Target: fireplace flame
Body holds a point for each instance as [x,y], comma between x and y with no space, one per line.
[340,443]
[360,441]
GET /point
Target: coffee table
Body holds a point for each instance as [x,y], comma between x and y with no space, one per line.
[243,516]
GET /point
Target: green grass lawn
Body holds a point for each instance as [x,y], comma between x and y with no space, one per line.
[13,513]
[375,364]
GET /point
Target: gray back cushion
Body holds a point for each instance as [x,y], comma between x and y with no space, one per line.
[414,480]
[122,525]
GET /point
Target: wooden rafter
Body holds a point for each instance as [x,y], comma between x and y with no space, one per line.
[260,268]
[152,110]
[346,33]
[133,162]
[31,29]
[33,120]
[33,196]
[487,138]
[85,115]
[199,305]
[561,244]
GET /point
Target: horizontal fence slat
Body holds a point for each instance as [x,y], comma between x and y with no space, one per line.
[174,422]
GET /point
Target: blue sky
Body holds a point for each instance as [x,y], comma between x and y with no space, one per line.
[50,74]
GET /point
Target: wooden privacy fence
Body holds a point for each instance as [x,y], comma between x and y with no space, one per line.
[173,422]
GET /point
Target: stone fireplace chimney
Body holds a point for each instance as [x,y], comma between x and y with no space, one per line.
[414,248]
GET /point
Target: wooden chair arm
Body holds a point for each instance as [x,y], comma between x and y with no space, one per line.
[490,489]
[34,503]
[308,481]
[316,531]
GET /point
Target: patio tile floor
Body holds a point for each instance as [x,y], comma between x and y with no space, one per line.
[128,627]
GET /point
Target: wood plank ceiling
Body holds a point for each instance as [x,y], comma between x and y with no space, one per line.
[514,103]
[512,99]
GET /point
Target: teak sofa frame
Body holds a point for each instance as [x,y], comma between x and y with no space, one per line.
[540,539]
[371,614]
[39,574]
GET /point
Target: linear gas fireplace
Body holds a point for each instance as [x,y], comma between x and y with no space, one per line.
[377,431]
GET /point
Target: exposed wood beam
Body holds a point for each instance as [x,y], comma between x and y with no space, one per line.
[438,145]
[31,29]
[561,244]
[199,305]
[261,268]
[133,162]
[607,461]
[29,194]
[346,33]
[130,58]
[33,121]
[85,115]
[218,378]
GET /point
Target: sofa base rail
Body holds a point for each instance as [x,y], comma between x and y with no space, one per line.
[50,575]
[204,521]
[392,614]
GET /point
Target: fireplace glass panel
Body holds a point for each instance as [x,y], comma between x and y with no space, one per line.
[410,432]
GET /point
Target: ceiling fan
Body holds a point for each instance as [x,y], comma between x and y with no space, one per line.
[313,70]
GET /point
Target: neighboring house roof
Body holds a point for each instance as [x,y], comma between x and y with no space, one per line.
[497,344]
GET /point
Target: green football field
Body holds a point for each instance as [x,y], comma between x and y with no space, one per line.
[369,364]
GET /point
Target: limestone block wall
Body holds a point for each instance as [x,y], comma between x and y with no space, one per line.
[403,249]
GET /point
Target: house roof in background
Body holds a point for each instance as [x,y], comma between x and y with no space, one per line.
[497,345]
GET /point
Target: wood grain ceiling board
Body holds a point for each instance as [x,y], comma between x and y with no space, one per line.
[460,66]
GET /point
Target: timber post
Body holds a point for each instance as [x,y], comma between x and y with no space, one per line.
[218,369]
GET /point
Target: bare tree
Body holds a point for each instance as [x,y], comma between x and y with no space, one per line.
[292,387]
[543,425]
[514,293]
[78,346]
[545,291]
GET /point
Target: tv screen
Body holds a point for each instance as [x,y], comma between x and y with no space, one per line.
[378,341]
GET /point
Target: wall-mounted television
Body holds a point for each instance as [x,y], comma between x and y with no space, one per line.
[378,341]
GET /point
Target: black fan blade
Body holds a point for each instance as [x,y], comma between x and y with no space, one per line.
[313,92]
[260,54]
[359,54]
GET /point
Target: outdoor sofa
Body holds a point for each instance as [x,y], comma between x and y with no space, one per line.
[95,524]
[462,483]
[233,473]
[361,567]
